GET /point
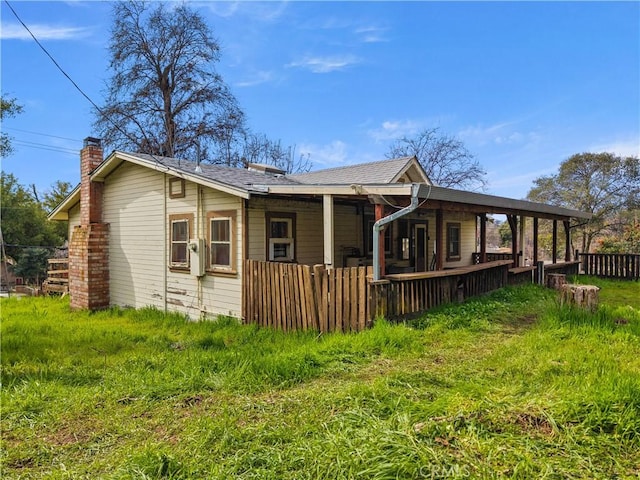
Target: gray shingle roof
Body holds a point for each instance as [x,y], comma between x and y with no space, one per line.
[383,171]
[237,177]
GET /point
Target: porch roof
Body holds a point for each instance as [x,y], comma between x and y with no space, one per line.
[434,197]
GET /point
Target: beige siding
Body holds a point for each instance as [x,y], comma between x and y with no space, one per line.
[133,207]
[74,218]
[467,236]
[137,207]
[211,294]
[309,245]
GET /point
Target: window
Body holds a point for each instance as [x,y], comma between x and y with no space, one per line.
[176,188]
[281,228]
[368,236]
[453,241]
[221,235]
[179,232]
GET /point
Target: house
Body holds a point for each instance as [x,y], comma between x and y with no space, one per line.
[164,232]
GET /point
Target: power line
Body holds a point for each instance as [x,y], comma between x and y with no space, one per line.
[42,134]
[42,146]
[115,125]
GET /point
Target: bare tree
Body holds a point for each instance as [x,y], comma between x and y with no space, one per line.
[258,148]
[445,159]
[165,96]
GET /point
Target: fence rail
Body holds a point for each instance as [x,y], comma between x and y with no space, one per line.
[611,265]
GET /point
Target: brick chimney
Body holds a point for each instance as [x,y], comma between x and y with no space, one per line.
[89,244]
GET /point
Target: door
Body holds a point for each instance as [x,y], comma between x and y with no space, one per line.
[421,243]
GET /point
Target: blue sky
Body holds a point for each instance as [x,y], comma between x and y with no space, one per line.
[523,85]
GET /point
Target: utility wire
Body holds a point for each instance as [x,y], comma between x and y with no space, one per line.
[126,134]
[42,134]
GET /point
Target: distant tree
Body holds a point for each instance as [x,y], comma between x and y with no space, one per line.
[258,148]
[24,221]
[8,108]
[165,96]
[51,199]
[504,230]
[623,237]
[602,184]
[31,264]
[446,160]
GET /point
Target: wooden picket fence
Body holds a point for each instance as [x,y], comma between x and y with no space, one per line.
[300,297]
[611,265]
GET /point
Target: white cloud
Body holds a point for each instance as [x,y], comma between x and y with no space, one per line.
[330,155]
[325,64]
[626,148]
[265,11]
[394,129]
[497,134]
[14,31]
[256,78]
[371,34]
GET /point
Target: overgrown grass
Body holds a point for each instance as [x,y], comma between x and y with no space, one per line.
[510,385]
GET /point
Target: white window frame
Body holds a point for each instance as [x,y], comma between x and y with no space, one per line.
[289,241]
[172,241]
[228,242]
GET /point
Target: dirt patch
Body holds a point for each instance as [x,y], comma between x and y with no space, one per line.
[518,324]
[534,423]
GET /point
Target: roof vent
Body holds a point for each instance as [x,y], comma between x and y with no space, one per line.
[265,169]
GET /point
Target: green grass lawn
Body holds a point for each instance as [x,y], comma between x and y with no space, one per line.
[510,385]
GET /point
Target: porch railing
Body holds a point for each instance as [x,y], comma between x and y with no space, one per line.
[476,257]
[611,265]
[408,294]
[301,297]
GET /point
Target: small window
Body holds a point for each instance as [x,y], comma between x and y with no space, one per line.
[453,241]
[180,230]
[281,237]
[176,188]
[221,234]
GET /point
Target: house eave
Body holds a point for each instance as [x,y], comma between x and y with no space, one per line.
[117,158]
[61,211]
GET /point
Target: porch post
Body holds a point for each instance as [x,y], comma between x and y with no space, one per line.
[513,223]
[483,238]
[327,229]
[554,242]
[535,241]
[523,241]
[379,211]
[439,240]
[567,241]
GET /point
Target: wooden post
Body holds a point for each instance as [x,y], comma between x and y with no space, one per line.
[483,238]
[379,211]
[567,241]
[327,228]
[535,241]
[513,223]
[554,248]
[439,240]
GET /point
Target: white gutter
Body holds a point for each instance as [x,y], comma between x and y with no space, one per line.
[377,227]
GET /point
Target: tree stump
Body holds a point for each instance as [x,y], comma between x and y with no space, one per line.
[556,280]
[583,296]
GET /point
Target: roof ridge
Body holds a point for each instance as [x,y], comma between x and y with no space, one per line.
[353,165]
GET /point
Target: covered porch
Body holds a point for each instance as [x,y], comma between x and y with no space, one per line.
[421,246]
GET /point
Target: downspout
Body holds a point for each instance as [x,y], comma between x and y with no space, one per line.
[377,227]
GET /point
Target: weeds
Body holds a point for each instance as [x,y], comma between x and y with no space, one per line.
[477,390]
